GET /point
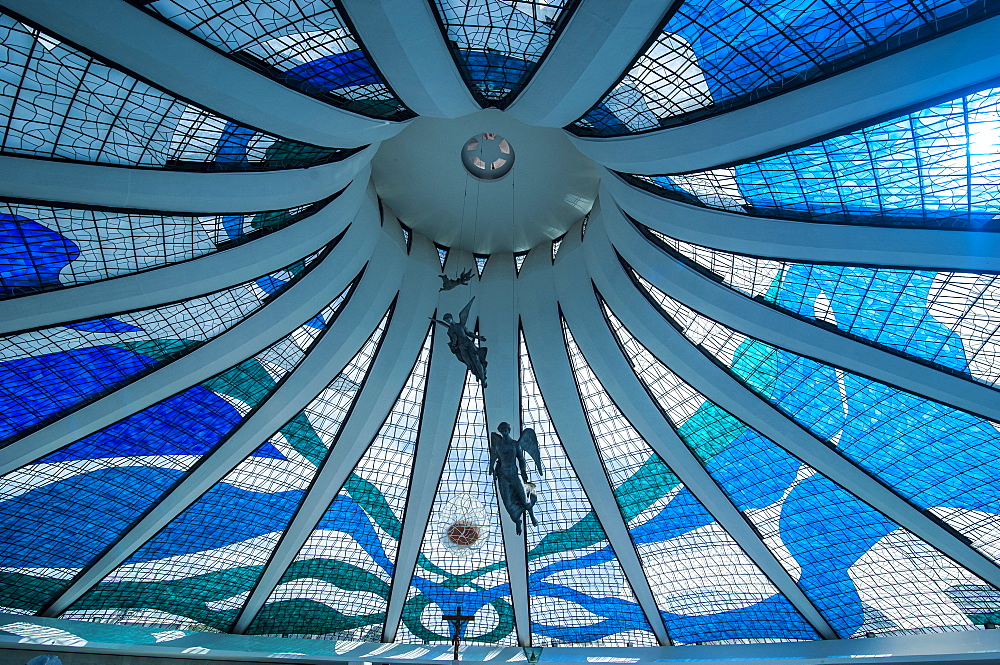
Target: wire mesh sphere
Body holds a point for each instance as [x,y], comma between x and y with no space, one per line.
[463,525]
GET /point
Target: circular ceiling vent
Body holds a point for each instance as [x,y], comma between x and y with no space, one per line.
[488,156]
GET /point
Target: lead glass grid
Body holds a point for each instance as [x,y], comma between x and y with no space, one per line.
[338,584]
[707,588]
[462,561]
[864,573]
[47,373]
[198,571]
[45,247]
[303,44]
[940,458]
[937,167]
[61,511]
[577,590]
[498,43]
[58,102]
[949,318]
[713,56]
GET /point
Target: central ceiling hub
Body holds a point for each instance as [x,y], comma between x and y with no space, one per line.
[488,156]
[471,193]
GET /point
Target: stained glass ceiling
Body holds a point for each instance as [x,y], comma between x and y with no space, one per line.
[226,408]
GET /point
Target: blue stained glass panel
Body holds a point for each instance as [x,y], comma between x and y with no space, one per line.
[577,590]
[61,103]
[715,55]
[200,568]
[862,571]
[47,373]
[707,588]
[338,583]
[941,459]
[462,560]
[936,167]
[46,247]
[64,509]
[948,318]
[31,255]
[499,43]
[304,44]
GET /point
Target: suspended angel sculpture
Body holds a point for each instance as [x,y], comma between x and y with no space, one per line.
[461,280]
[462,343]
[506,461]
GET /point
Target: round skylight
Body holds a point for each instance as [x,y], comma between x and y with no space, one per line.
[488,156]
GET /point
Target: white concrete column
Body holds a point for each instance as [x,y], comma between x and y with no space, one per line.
[187,279]
[938,249]
[401,344]
[405,41]
[601,40]
[946,65]
[179,63]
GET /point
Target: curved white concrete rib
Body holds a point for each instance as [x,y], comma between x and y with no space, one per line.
[275,320]
[734,309]
[187,279]
[405,41]
[498,323]
[610,366]
[445,382]
[175,191]
[670,346]
[359,317]
[939,249]
[600,41]
[942,66]
[544,338]
[402,340]
[180,64]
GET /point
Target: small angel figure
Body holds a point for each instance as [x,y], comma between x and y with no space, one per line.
[462,343]
[506,460]
[461,280]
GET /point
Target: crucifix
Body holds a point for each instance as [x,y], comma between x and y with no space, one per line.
[457,621]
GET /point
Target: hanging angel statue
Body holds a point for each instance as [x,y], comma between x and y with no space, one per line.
[508,465]
[462,343]
[461,280]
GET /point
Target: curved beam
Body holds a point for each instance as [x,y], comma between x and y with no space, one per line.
[498,323]
[600,41]
[544,337]
[727,306]
[942,66]
[331,354]
[405,40]
[27,636]
[269,324]
[188,279]
[939,249]
[181,64]
[177,191]
[402,340]
[445,383]
[671,347]
[601,348]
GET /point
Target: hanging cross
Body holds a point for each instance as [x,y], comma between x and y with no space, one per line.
[457,621]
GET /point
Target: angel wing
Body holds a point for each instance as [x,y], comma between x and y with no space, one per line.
[466,276]
[529,444]
[463,316]
[495,440]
